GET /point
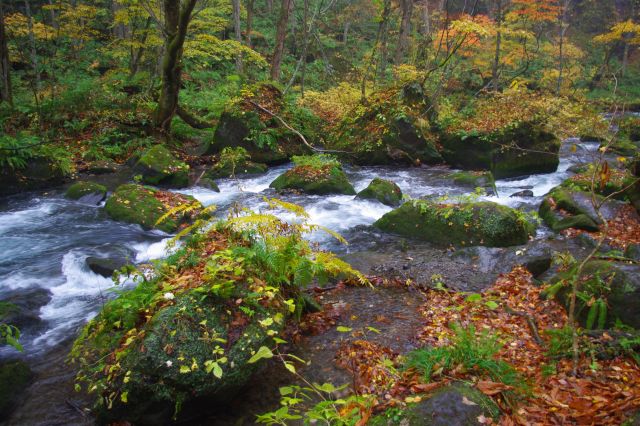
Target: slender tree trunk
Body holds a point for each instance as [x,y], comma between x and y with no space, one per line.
[496,60]
[345,31]
[249,21]
[269,6]
[384,35]
[405,30]
[136,56]
[34,54]
[426,19]
[563,31]
[305,46]
[281,33]
[625,59]
[238,33]
[177,15]
[6,92]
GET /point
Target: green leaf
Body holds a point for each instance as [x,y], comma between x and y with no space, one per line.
[289,366]
[343,329]
[184,369]
[491,304]
[473,298]
[263,352]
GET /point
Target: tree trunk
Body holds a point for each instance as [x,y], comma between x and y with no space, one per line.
[405,30]
[625,59]
[249,21]
[345,32]
[269,6]
[305,46]
[6,94]
[563,30]
[177,15]
[238,33]
[426,19]
[496,60]
[384,35]
[281,32]
[34,53]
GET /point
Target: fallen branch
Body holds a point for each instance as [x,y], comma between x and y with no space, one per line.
[531,322]
[300,135]
[192,120]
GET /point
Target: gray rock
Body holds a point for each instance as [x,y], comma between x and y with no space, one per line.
[525,193]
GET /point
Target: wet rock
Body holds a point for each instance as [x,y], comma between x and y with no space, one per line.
[633,251]
[329,179]
[473,179]
[144,206]
[523,150]
[385,191]
[484,223]
[39,173]
[159,167]
[454,405]
[207,183]
[105,266]
[561,210]
[617,283]
[227,169]
[87,192]
[525,193]
[15,377]
[102,167]
[22,308]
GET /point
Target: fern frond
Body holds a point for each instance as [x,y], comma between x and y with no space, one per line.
[274,203]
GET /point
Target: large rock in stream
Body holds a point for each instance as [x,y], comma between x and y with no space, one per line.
[144,206]
[245,123]
[15,377]
[87,192]
[482,223]
[520,150]
[385,191]
[39,173]
[159,167]
[320,180]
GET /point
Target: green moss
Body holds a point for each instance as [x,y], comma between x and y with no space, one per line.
[474,179]
[319,181]
[138,204]
[562,199]
[484,223]
[385,191]
[159,167]
[227,169]
[14,379]
[81,189]
[6,309]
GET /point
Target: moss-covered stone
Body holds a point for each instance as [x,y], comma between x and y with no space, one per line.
[385,191]
[561,211]
[159,167]
[616,185]
[14,379]
[243,124]
[329,179]
[455,405]
[39,173]
[208,183]
[227,169]
[618,284]
[89,192]
[144,206]
[520,150]
[171,363]
[483,223]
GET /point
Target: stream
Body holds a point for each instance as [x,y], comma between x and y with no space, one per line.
[46,239]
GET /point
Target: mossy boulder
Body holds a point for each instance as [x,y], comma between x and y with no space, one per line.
[519,150]
[454,405]
[87,192]
[483,223]
[561,210]
[208,183]
[161,168]
[617,284]
[144,206]
[385,191]
[323,180]
[15,377]
[245,124]
[172,362]
[39,173]
[227,169]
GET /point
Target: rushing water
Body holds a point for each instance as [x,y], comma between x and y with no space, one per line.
[45,239]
